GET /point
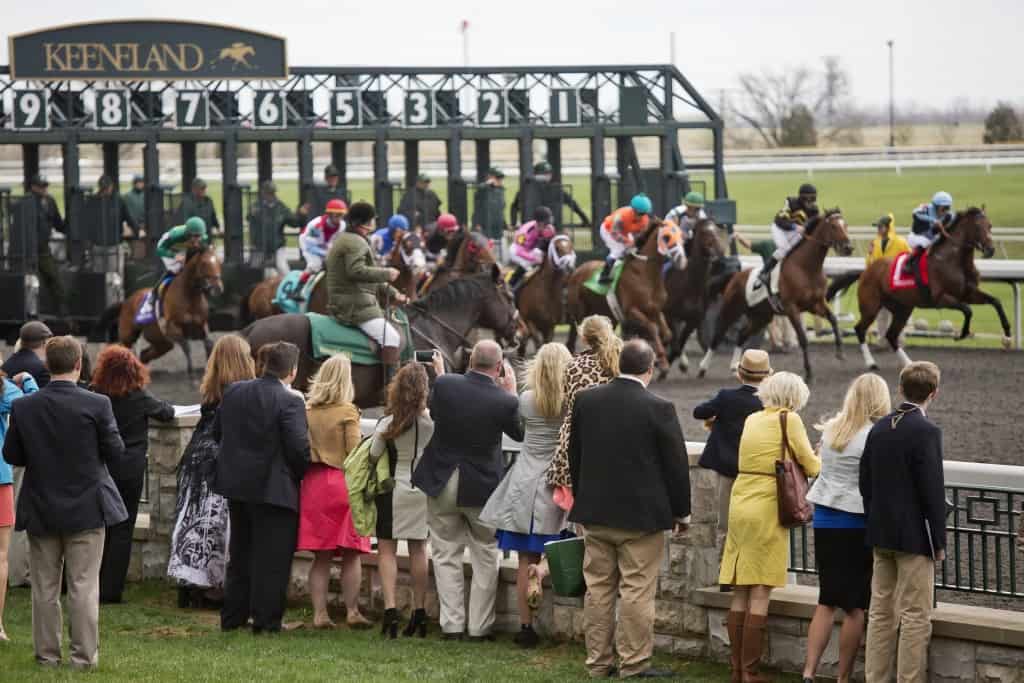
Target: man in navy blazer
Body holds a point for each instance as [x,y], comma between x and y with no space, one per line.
[725,414]
[264,452]
[901,481]
[65,437]
[460,468]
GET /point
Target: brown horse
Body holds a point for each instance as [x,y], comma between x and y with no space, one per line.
[540,298]
[802,287]
[688,295]
[473,256]
[953,282]
[184,313]
[440,321]
[407,257]
[641,290]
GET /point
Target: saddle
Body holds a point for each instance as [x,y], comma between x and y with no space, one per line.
[289,283]
[327,337]
[151,307]
[900,280]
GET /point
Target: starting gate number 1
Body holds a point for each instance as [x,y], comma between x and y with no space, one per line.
[30,110]
[419,108]
[492,108]
[112,110]
[346,108]
[192,109]
[268,109]
[565,107]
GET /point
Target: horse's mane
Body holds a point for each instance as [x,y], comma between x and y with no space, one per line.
[813,223]
[640,241]
[196,251]
[455,294]
[971,212]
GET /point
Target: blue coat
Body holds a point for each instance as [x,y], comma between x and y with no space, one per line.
[11,392]
[730,409]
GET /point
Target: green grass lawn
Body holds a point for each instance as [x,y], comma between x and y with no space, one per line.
[149,639]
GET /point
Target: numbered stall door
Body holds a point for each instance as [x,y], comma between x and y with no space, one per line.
[492,108]
[346,108]
[564,108]
[192,110]
[112,110]
[419,110]
[31,110]
[268,109]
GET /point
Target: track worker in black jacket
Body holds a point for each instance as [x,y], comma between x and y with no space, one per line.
[264,452]
[631,482]
[65,437]
[725,415]
[901,481]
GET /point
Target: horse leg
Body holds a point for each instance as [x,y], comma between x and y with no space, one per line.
[793,314]
[655,332]
[158,347]
[869,308]
[207,343]
[822,310]
[976,296]
[183,343]
[570,341]
[965,331]
[900,316]
[732,307]
[684,336]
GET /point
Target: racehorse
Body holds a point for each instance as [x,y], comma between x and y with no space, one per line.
[640,292]
[953,282]
[407,257]
[473,256]
[802,287]
[440,321]
[540,298]
[688,294]
[184,310]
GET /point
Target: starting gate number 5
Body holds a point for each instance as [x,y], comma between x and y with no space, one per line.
[419,108]
[346,109]
[30,111]
[111,109]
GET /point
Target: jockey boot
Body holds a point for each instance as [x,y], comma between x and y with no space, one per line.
[606,273]
[517,276]
[910,265]
[390,356]
[296,294]
[765,277]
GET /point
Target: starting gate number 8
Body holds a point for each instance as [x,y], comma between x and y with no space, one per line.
[111,109]
[30,111]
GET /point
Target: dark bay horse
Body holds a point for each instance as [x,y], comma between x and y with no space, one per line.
[953,282]
[688,295]
[408,258]
[802,286]
[442,320]
[473,255]
[540,298]
[184,310]
[641,289]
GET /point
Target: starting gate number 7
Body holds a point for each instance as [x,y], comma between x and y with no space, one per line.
[192,109]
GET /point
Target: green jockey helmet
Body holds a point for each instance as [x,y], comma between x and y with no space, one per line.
[693,199]
[195,226]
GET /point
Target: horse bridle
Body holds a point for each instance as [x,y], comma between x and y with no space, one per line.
[963,242]
[563,262]
[830,244]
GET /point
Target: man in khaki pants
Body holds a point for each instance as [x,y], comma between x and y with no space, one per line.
[631,481]
[63,436]
[901,481]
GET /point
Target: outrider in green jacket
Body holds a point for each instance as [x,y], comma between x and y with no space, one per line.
[354,282]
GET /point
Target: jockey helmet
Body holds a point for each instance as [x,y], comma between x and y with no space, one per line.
[336,206]
[542,168]
[195,226]
[446,222]
[943,199]
[693,199]
[807,188]
[331,171]
[641,203]
[398,222]
[543,215]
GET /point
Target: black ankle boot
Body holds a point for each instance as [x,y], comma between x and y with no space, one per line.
[417,624]
[389,627]
[527,638]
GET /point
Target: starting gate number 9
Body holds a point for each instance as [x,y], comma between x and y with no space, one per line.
[346,108]
[112,109]
[419,108]
[30,110]
[565,107]
[193,109]
[268,109]
[492,108]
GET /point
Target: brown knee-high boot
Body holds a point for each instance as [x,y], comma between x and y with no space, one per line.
[753,639]
[734,626]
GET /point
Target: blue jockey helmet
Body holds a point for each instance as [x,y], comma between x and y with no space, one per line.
[398,222]
[641,203]
[943,199]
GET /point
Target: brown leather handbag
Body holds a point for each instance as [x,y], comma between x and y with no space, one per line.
[791,486]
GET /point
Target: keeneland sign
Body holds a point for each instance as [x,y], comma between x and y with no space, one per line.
[143,49]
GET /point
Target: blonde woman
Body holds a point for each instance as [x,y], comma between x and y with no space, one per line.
[756,546]
[598,364]
[522,508]
[841,553]
[325,519]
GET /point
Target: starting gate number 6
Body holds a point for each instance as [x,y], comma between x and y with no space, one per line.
[29,111]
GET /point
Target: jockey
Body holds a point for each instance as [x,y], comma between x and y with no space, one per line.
[526,252]
[355,284]
[316,238]
[687,214]
[449,234]
[174,246]
[383,240]
[928,223]
[619,228]
[788,228]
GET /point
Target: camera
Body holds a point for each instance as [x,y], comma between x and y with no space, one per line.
[426,357]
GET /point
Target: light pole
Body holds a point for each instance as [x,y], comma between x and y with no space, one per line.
[892,108]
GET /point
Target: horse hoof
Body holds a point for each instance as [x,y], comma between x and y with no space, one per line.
[685,367]
[1007,343]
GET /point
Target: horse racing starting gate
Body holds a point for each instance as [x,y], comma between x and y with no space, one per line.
[151,83]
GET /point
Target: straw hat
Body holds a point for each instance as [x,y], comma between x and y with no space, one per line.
[754,364]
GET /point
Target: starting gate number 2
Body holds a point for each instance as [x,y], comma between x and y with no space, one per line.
[492,108]
[30,110]
[112,110]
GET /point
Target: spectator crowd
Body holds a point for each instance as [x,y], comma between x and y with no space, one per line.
[269,471]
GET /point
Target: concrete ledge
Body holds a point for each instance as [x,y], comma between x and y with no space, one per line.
[184,421]
[959,622]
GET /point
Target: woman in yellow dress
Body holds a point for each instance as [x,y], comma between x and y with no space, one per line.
[757,546]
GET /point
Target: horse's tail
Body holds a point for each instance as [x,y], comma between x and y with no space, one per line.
[105,329]
[840,283]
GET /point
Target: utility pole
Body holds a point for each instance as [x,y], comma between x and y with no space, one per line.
[672,48]
[464,28]
[892,106]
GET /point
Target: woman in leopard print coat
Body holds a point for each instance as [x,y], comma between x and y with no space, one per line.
[598,364]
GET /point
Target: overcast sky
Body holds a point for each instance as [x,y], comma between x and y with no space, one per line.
[944,49]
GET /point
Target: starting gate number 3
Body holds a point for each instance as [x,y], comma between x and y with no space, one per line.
[30,110]
[346,108]
[419,109]
[112,110]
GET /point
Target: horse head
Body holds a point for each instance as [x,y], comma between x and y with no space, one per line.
[830,230]
[705,242]
[562,254]
[408,253]
[670,243]
[976,231]
[475,253]
[203,271]
[498,311]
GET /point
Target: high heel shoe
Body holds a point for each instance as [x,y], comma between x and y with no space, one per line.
[389,627]
[417,624]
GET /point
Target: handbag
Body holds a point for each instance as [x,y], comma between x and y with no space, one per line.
[791,486]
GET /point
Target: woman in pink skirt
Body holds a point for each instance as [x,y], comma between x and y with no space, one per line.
[325,520]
